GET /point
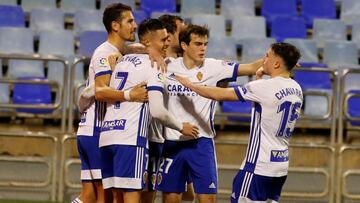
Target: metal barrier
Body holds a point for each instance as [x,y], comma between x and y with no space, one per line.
[346,171]
[73,92]
[64,168]
[344,98]
[51,164]
[327,172]
[61,91]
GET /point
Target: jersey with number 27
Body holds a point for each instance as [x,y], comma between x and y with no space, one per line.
[277,104]
[127,123]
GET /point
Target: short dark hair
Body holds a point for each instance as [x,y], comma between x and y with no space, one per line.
[184,35]
[288,52]
[170,22]
[112,13]
[149,25]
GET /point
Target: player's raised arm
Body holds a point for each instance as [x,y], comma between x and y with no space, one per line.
[250,68]
[158,111]
[214,93]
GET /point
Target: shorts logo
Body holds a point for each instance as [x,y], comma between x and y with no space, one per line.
[145,176]
[279,155]
[212,185]
[153,179]
[159,179]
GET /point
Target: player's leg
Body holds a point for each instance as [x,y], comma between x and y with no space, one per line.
[203,169]
[149,193]
[90,167]
[173,172]
[189,195]
[132,196]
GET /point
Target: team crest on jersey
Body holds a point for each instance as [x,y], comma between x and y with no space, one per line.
[159,178]
[104,62]
[161,77]
[145,177]
[199,76]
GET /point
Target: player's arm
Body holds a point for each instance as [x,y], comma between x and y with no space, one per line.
[105,93]
[214,93]
[158,111]
[250,68]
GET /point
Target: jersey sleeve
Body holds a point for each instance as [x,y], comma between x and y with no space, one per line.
[225,70]
[252,91]
[101,65]
[155,80]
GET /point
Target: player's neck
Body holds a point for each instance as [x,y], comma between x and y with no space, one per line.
[282,74]
[190,63]
[117,42]
[170,52]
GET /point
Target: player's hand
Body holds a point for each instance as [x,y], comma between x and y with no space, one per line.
[112,59]
[259,73]
[155,56]
[184,81]
[139,93]
[190,130]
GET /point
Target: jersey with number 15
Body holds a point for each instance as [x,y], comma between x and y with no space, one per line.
[277,104]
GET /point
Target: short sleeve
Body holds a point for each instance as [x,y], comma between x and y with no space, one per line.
[225,70]
[155,80]
[101,65]
[252,91]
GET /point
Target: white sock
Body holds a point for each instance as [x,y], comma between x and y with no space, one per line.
[77,200]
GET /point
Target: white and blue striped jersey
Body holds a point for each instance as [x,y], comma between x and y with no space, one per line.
[188,106]
[277,105]
[91,120]
[127,123]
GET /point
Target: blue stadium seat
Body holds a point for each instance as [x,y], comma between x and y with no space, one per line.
[326,29]
[271,9]
[140,16]
[28,5]
[150,6]
[58,43]
[86,20]
[216,23]
[11,16]
[130,3]
[158,14]
[253,49]
[354,107]
[350,11]
[191,7]
[309,52]
[89,40]
[71,6]
[311,9]
[313,80]
[234,8]
[284,27]
[20,41]
[8,2]
[237,107]
[222,48]
[32,94]
[42,19]
[341,54]
[248,27]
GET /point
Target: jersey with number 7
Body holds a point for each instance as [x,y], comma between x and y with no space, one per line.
[277,105]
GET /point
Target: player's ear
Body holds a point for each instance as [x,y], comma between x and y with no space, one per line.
[115,26]
[183,46]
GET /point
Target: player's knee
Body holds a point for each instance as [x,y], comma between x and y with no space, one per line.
[171,197]
[207,198]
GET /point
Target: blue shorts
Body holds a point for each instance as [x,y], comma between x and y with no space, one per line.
[123,167]
[252,187]
[88,147]
[194,158]
[155,150]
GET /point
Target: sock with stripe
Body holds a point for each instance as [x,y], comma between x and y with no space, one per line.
[77,200]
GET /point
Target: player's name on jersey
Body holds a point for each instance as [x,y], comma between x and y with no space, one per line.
[132,59]
[180,90]
[114,125]
[287,92]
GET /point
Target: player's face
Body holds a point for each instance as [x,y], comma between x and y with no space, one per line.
[127,26]
[271,61]
[197,47]
[159,40]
